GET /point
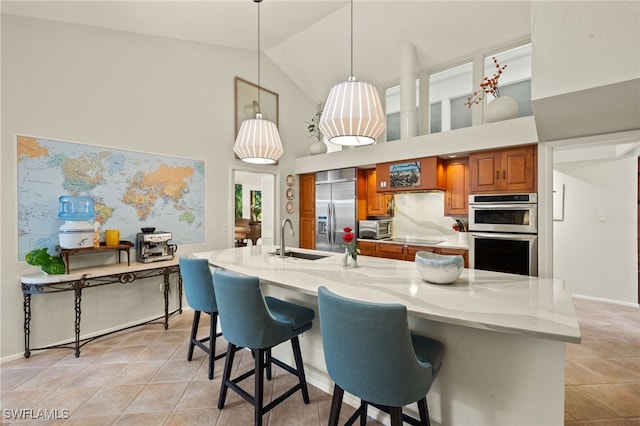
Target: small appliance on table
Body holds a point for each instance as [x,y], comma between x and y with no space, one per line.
[152,246]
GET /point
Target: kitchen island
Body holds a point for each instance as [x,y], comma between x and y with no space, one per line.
[504,334]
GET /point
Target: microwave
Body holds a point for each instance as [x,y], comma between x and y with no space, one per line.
[375,229]
[516,213]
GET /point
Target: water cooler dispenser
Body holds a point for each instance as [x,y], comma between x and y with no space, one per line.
[78,230]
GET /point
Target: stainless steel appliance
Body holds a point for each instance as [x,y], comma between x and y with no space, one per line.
[503,233]
[375,229]
[154,246]
[335,207]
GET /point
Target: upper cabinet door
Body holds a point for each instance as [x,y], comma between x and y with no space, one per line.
[377,203]
[484,171]
[519,170]
[457,195]
[508,170]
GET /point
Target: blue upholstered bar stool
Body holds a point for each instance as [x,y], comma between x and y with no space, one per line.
[370,353]
[250,320]
[198,288]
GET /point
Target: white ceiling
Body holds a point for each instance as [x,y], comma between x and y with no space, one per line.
[309,40]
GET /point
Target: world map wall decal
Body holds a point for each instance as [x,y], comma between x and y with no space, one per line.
[130,189]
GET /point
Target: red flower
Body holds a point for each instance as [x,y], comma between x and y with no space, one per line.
[349,244]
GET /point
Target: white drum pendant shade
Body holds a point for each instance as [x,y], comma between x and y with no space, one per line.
[353,114]
[258,141]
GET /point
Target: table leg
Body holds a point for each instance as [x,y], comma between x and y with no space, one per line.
[78,302]
[27,323]
[180,292]
[166,298]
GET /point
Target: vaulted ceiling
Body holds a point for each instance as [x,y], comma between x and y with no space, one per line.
[310,40]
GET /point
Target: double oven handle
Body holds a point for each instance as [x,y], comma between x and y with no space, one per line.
[498,236]
[500,206]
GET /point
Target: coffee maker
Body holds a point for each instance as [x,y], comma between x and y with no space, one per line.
[154,246]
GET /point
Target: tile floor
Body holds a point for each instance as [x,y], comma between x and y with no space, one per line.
[602,374]
[140,377]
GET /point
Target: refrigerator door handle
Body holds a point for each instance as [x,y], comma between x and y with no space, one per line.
[329,225]
[333,225]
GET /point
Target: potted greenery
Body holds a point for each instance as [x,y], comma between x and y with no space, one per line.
[49,264]
[318,146]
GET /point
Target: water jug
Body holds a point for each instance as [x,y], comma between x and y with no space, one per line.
[75,208]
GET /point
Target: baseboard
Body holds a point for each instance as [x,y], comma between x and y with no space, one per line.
[609,301]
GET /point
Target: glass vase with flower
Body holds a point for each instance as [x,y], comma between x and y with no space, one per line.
[350,245]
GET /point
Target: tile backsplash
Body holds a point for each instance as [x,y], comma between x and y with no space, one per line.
[421,215]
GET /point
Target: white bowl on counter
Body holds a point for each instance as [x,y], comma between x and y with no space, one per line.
[439,268]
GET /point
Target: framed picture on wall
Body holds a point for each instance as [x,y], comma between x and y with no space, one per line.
[248,103]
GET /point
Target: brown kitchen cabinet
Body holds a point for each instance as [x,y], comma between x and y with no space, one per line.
[456,202]
[378,204]
[367,248]
[390,251]
[307,208]
[418,174]
[453,252]
[408,252]
[506,170]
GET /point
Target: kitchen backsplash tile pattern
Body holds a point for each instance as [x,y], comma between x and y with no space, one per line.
[421,216]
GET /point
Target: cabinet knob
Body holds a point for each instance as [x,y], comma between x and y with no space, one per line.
[497,174]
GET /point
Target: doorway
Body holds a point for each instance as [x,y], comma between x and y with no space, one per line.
[253,207]
[595,234]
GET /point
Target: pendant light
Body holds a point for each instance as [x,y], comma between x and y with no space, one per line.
[258,139]
[353,114]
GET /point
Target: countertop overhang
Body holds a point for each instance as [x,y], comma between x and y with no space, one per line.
[506,303]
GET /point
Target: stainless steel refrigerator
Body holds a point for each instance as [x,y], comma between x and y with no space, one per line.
[335,207]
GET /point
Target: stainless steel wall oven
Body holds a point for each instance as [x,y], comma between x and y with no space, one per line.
[503,233]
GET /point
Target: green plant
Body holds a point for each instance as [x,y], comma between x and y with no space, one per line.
[313,126]
[49,264]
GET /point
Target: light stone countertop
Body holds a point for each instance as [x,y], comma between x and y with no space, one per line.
[445,242]
[95,271]
[506,303]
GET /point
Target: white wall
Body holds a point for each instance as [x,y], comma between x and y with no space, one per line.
[598,258]
[579,45]
[128,91]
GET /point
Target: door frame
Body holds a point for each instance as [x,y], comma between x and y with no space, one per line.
[231,197]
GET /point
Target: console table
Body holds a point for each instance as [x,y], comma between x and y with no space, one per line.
[94,277]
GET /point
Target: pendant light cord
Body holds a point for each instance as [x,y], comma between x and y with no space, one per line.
[259,100]
[351,38]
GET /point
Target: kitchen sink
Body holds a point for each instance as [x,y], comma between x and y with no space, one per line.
[300,255]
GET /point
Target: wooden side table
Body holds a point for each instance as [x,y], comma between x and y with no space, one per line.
[124,246]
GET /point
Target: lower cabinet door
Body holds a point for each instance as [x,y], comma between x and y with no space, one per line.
[412,250]
[390,251]
[367,248]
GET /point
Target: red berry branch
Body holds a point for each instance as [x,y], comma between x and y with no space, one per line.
[488,85]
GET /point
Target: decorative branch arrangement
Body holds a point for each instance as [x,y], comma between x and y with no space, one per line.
[488,85]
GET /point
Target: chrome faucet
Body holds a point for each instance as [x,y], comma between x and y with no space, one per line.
[284,222]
